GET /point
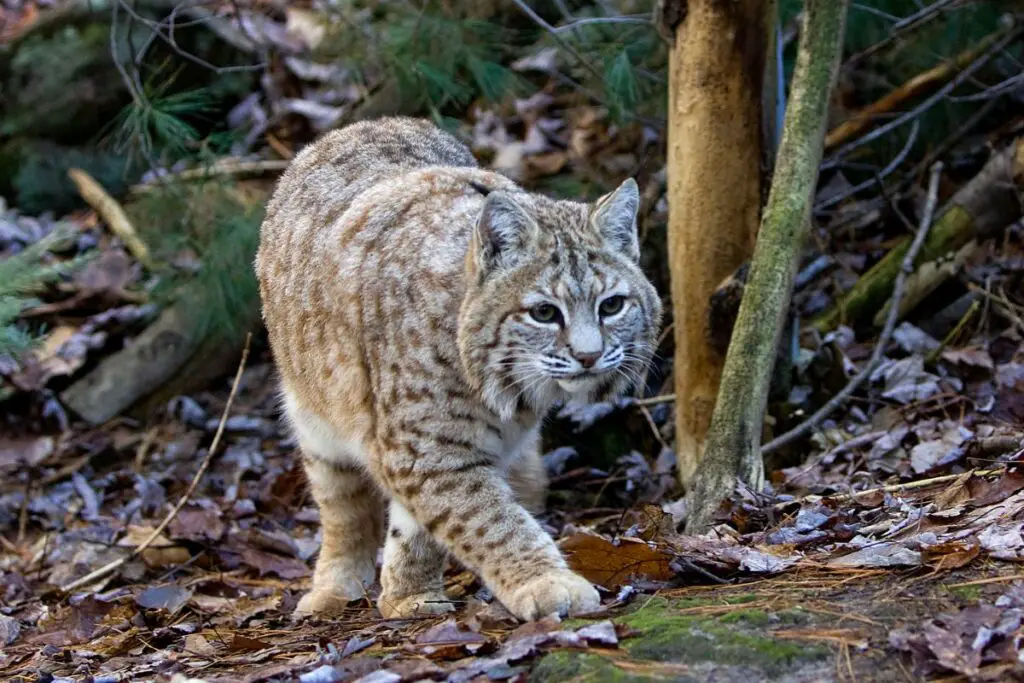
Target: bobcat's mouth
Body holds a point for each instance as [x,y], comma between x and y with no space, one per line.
[583,382]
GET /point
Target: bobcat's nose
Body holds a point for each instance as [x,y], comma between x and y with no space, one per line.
[587,360]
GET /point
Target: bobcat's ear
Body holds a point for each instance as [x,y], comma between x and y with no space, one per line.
[504,233]
[614,218]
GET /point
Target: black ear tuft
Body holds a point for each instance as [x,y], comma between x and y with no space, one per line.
[482,189]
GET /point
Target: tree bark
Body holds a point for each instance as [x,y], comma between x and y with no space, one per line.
[734,436]
[716,75]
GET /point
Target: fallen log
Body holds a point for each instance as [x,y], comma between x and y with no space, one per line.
[982,207]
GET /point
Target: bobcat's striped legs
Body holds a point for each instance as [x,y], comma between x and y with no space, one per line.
[351,514]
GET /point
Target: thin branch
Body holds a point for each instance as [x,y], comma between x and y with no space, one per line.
[157,28]
[222,167]
[890,324]
[902,27]
[876,180]
[931,101]
[892,488]
[867,9]
[539,20]
[203,466]
[1002,88]
[112,214]
[947,143]
[601,20]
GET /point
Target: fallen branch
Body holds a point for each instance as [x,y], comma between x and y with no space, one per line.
[890,324]
[893,488]
[982,207]
[222,167]
[112,214]
[940,95]
[203,466]
[733,441]
[916,86]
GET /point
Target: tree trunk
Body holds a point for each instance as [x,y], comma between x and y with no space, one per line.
[734,436]
[716,74]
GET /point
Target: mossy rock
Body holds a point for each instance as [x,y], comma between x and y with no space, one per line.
[679,646]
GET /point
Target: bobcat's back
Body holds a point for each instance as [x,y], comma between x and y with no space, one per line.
[364,241]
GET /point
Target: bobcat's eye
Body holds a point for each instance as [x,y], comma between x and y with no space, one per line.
[612,305]
[546,313]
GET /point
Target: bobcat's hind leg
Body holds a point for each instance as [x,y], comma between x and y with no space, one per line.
[412,577]
[351,516]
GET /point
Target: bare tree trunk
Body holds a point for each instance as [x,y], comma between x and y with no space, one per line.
[716,74]
[733,440]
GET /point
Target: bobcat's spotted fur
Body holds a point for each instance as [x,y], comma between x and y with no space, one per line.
[423,314]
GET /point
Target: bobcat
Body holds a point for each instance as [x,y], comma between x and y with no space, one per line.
[424,314]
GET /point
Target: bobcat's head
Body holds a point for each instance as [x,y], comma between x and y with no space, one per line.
[556,306]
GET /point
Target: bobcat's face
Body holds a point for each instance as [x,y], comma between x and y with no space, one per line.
[557,307]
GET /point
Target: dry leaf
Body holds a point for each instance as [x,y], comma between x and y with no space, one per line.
[602,562]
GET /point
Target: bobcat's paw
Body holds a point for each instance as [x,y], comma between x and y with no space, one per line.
[562,592]
[335,585]
[321,602]
[420,604]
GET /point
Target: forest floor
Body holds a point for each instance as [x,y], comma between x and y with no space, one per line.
[890,586]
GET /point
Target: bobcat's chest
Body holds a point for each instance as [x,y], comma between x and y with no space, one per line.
[518,439]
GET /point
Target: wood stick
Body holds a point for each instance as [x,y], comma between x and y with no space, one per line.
[112,214]
[893,488]
[981,208]
[203,466]
[915,87]
[229,167]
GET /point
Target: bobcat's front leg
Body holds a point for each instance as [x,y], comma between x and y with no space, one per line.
[459,496]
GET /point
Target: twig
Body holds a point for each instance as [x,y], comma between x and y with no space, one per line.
[111,213]
[893,488]
[933,355]
[1002,305]
[890,324]
[157,32]
[877,179]
[947,143]
[982,582]
[654,400]
[232,167]
[906,25]
[930,102]
[916,86]
[601,20]
[203,466]
[539,20]
[654,427]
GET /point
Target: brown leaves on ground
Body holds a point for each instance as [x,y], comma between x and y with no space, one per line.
[981,643]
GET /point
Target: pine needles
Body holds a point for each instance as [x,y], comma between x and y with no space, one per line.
[209,232]
[23,275]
